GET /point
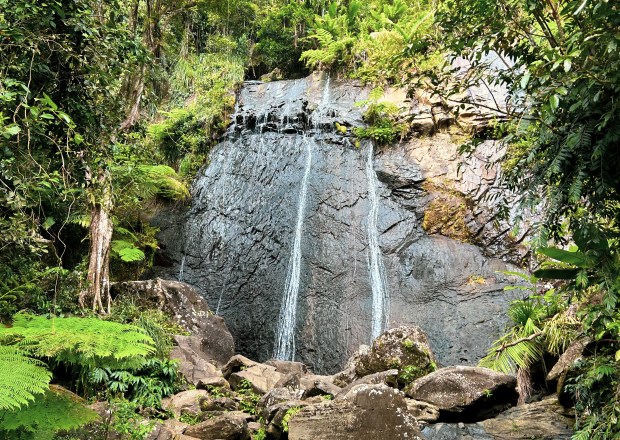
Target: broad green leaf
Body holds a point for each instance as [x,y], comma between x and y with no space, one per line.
[574,258]
[48,223]
[13,130]
[554,102]
[567,64]
[525,79]
[557,274]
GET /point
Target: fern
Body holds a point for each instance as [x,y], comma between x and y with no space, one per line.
[56,410]
[82,341]
[21,378]
[127,251]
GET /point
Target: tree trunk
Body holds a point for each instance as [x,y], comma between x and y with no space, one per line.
[135,93]
[98,289]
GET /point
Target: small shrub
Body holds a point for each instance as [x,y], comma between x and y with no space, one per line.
[190,418]
[287,417]
[260,434]
[249,399]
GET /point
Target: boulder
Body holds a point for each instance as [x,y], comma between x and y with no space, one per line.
[188,308]
[422,411]
[185,401]
[212,382]
[224,426]
[404,348]
[275,424]
[290,380]
[193,363]
[263,378]
[385,377]
[237,363]
[465,394]
[168,430]
[218,404]
[544,420]
[348,375]
[276,396]
[456,431]
[288,367]
[315,385]
[371,412]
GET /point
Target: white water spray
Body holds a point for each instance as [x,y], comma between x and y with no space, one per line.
[285,336]
[181,270]
[380,296]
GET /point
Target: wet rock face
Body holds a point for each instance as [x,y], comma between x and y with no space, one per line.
[234,242]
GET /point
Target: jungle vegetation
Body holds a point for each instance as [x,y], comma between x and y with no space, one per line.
[109,108]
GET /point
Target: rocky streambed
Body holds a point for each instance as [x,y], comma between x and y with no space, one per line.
[393,389]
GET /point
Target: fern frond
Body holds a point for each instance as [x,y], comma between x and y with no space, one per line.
[21,378]
[56,410]
[323,37]
[80,219]
[82,341]
[127,251]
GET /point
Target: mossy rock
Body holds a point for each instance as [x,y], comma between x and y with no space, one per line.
[404,348]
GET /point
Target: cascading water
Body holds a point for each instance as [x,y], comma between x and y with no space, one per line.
[380,297]
[182,269]
[285,336]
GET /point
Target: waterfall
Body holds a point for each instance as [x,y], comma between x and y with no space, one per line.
[380,297]
[182,268]
[285,336]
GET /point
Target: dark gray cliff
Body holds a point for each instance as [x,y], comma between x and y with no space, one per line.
[234,241]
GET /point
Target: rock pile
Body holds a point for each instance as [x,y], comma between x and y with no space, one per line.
[390,390]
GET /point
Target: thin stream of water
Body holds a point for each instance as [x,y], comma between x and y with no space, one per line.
[285,336]
[380,297]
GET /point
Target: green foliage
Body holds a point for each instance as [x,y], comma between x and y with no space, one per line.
[51,412]
[595,381]
[202,91]
[249,399]
[217,392]
[190,418]
[145,386]
[383,122]
[260,434]
[565,60]
[287,417]
[540,325]
[367,40]
[128,422]
[83,341]
[281,29]
[22,378]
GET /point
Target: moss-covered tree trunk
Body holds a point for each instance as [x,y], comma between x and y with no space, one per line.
[97,291]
